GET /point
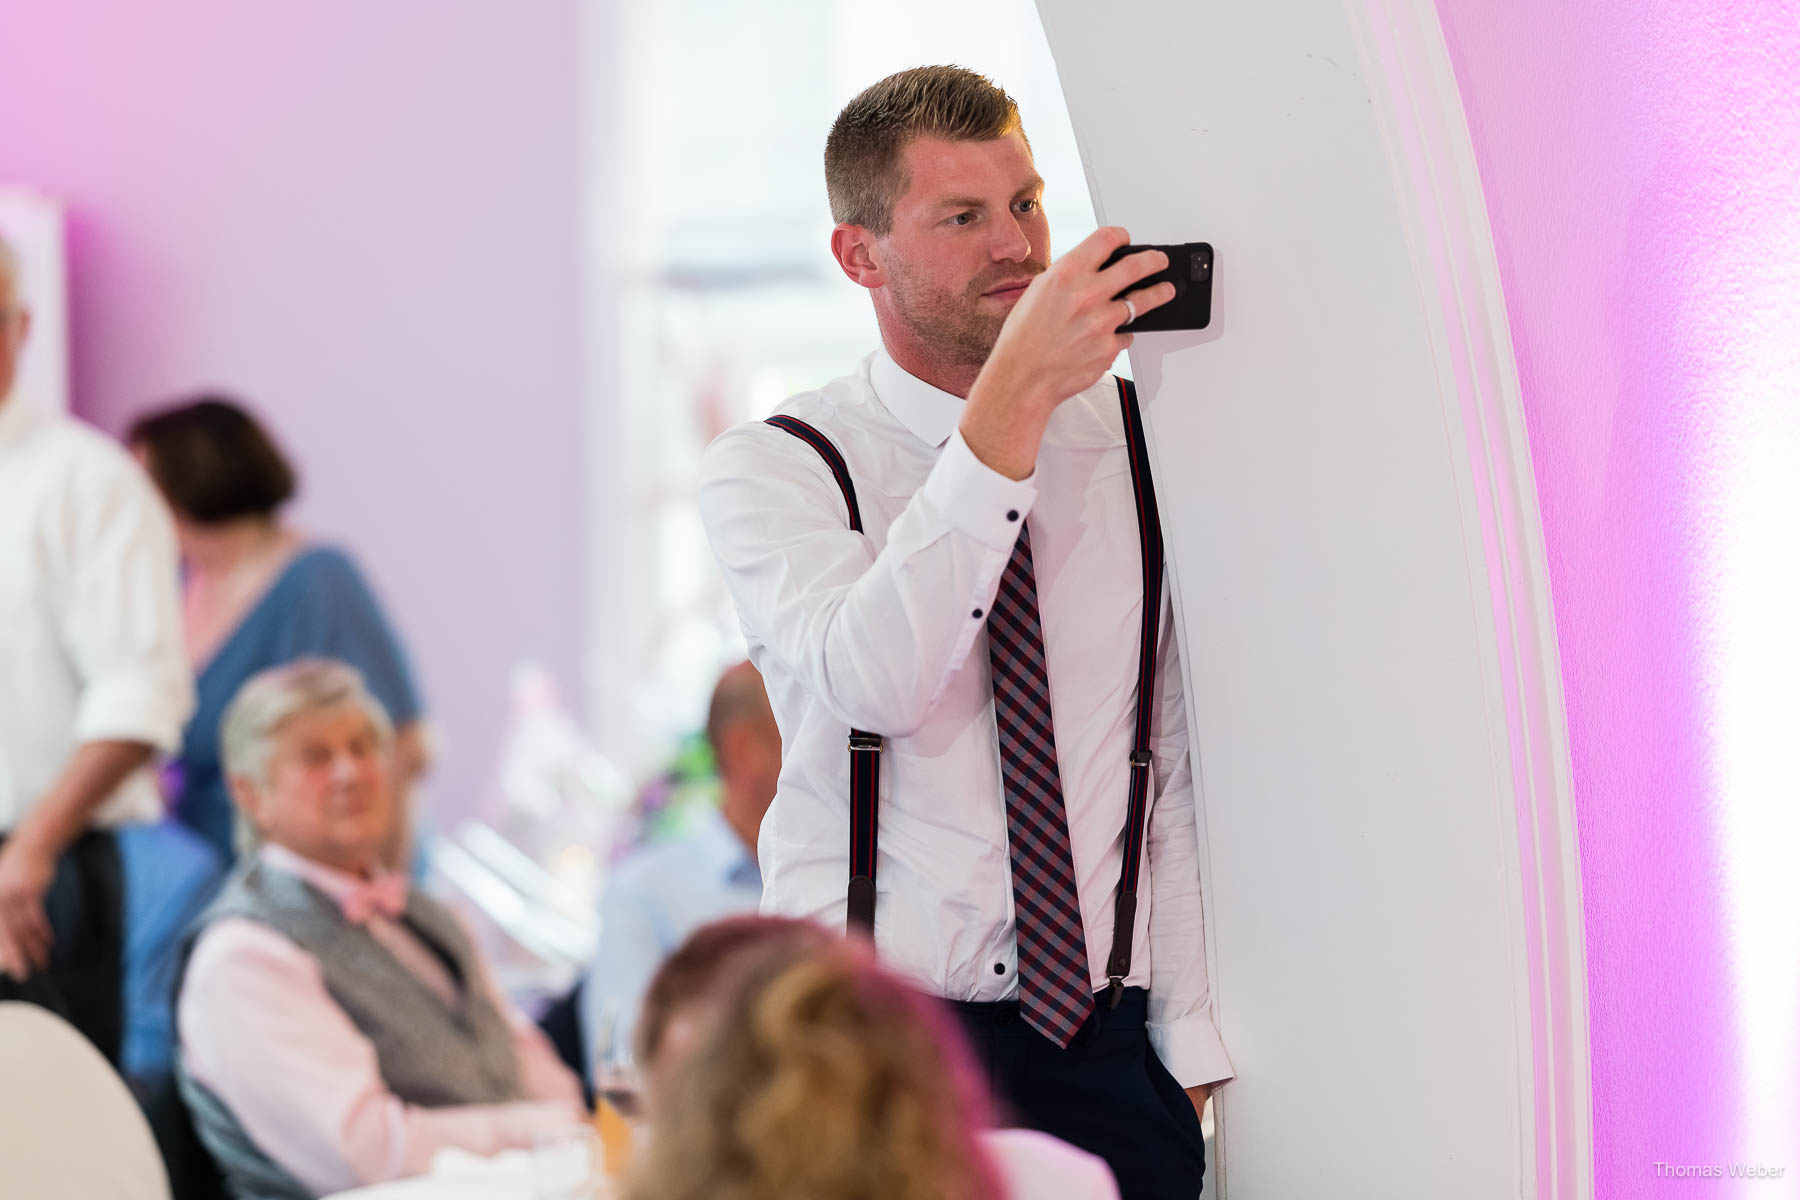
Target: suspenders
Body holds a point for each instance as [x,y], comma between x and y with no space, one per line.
[1150,544]
[865,748]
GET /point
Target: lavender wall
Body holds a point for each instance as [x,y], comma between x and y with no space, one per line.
[364,218]
[1638,160]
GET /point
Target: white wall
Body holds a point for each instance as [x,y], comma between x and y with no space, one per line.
[32,225]
[1364,652]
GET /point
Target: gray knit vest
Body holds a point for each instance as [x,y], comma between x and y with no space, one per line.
[431,1054]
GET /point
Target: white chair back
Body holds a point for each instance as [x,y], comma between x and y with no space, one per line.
[69,1128]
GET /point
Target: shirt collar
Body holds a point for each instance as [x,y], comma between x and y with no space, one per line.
[334,883]
[930,413]
[731,858]
[17,418]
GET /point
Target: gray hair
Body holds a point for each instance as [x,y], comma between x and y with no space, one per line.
[271,697]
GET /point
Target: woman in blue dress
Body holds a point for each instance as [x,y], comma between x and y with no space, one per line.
[256,593]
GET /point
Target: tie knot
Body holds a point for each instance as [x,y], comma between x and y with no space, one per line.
[384,894]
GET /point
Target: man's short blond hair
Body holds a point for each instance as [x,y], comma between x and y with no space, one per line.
[269,698]
[864,175]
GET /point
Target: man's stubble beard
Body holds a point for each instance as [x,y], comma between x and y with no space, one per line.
[953,327]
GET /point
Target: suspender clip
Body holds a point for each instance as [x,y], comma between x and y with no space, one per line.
[1115,989]
[1140,759]
[866,742]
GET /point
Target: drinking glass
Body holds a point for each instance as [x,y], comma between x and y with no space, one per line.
[620,1089]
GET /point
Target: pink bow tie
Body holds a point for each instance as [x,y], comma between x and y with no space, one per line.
[385,894]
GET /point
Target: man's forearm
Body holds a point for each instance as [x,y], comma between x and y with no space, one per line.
[87,781]
[1002,431]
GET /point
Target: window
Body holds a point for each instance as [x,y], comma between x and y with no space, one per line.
[726,298]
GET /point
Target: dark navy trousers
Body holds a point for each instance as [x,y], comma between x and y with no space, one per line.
[84,983]
[1107,1093]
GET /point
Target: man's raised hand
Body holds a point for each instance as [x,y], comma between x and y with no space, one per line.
[1059,339]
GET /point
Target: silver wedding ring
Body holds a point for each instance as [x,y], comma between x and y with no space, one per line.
[1130,312]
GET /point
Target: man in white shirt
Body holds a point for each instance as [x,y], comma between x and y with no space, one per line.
[1000,541]
[93,682]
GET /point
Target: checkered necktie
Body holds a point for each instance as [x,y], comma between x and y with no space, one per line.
[1055,992]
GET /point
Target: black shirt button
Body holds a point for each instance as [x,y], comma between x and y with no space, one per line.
[999,968]
[1012,514]
[976,614]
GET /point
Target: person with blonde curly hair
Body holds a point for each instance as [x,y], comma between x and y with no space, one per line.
[782,1062]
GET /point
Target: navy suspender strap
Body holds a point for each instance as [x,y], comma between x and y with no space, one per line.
[865,748]
[1150,544]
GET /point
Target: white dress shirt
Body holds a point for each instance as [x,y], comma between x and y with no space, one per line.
[90,616]
[886,631]
[261,1032]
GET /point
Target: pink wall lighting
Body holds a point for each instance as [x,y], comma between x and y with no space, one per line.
[1641,165]
[365,218]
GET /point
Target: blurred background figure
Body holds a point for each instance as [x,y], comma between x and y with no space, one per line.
[93,683]
[336,1026]
[257,593]
[666,890]
[780,1060]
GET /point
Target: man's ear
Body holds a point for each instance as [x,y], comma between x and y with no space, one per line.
[729,754]
[249,800]
[857,255]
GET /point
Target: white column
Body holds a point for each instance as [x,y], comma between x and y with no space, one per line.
[32,224]
[1392,888]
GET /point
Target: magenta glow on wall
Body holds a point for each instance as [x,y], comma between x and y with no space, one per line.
[1641,167]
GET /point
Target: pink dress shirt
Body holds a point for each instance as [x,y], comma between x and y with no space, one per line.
[260,1031]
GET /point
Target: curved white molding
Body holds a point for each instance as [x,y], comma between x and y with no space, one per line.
[1390,873]
[1418,110]
[33,225]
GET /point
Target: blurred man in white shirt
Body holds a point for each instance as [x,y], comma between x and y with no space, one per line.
[93,683]
[666,890]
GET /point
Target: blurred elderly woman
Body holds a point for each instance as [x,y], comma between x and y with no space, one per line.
[257,593]
[336,1027]
[780,1061]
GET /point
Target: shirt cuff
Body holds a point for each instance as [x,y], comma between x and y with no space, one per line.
[127,708]
[976,499]
[1191,1050]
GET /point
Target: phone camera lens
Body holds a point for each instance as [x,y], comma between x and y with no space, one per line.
[1199,267]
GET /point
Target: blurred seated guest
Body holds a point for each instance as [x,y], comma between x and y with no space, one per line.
[336,1027]
[667,890]
[93,683]
[781,1061]
[257,593]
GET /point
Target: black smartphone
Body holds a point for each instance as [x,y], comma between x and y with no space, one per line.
[1190,269]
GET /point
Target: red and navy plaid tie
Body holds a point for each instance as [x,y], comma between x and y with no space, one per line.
[1055,992]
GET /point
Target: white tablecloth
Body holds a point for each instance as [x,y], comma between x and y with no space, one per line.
[455,1175]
